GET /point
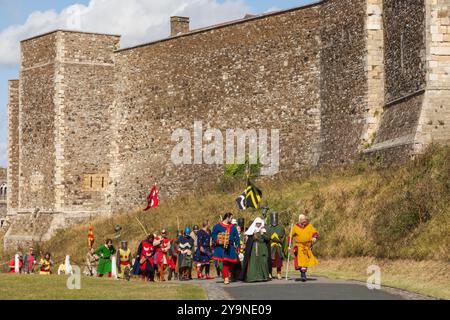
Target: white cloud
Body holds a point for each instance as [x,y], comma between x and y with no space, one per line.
[3,154]
[136,20]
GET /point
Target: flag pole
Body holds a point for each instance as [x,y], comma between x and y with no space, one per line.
[289,251]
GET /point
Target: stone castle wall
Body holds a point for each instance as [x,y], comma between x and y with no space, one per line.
[3,192]
[13,147]
[90,125]
[263,73]
[343,80]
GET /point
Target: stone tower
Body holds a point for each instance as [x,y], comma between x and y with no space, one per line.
[59,132]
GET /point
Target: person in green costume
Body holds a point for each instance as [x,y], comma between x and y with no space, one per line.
[276,234]
[255,267]
[105,251]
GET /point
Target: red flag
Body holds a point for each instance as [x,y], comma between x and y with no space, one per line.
[152,198]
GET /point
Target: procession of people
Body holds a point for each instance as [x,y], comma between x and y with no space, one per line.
[238,253]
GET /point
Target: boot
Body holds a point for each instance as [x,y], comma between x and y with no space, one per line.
[199,272]
[303,276]
[169,277]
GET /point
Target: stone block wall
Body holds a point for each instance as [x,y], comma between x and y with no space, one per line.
[257,73]
[434,123]
[90,124]
[86,93]
[37,115]
[3,192]
[13,147]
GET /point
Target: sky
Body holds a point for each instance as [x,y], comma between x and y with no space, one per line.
[138,21]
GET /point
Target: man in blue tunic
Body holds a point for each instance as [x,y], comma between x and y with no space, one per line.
[225,236]
[203,254]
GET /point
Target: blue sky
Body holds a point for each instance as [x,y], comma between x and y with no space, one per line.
[22,18]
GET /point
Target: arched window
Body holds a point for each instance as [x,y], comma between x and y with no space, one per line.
[3,190]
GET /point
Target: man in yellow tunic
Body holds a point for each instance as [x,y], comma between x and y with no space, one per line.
[304,236]
[124,261]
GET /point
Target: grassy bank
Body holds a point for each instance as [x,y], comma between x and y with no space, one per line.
[363,210]
[38,287]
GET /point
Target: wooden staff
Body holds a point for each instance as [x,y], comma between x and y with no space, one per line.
[289,251]
[143,228]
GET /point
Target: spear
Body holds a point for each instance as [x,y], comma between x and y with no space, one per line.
[289,251]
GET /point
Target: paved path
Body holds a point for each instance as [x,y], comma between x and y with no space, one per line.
[315,289]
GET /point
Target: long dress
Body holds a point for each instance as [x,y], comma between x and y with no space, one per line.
[303,240]
[256,267]
[104,263]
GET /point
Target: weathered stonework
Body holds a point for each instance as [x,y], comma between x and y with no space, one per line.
[3,193]
[417,64]
[13,147]
[90,124]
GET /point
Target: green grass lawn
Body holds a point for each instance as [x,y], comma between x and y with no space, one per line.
[39,287]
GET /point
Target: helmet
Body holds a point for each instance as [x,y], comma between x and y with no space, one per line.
[163,231]
[187,230]
[196,228]
[274,219]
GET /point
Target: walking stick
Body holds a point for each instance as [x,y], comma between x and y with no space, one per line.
[289,251]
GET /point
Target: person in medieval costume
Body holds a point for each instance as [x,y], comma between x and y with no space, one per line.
[203,254]
[173,258]
[194,235]
[304,236]
[124,261]
[162,243]
[29,261]
[185,257]
[237,270]
[12,263]
[136,265]
[277,234]
[226,239]
[91,238]
[105,252]
[146,259]
[45,264]
[90,269]
[255,267]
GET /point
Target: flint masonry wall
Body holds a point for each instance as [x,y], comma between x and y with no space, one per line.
[417,55]
[260,73]
[343,79]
